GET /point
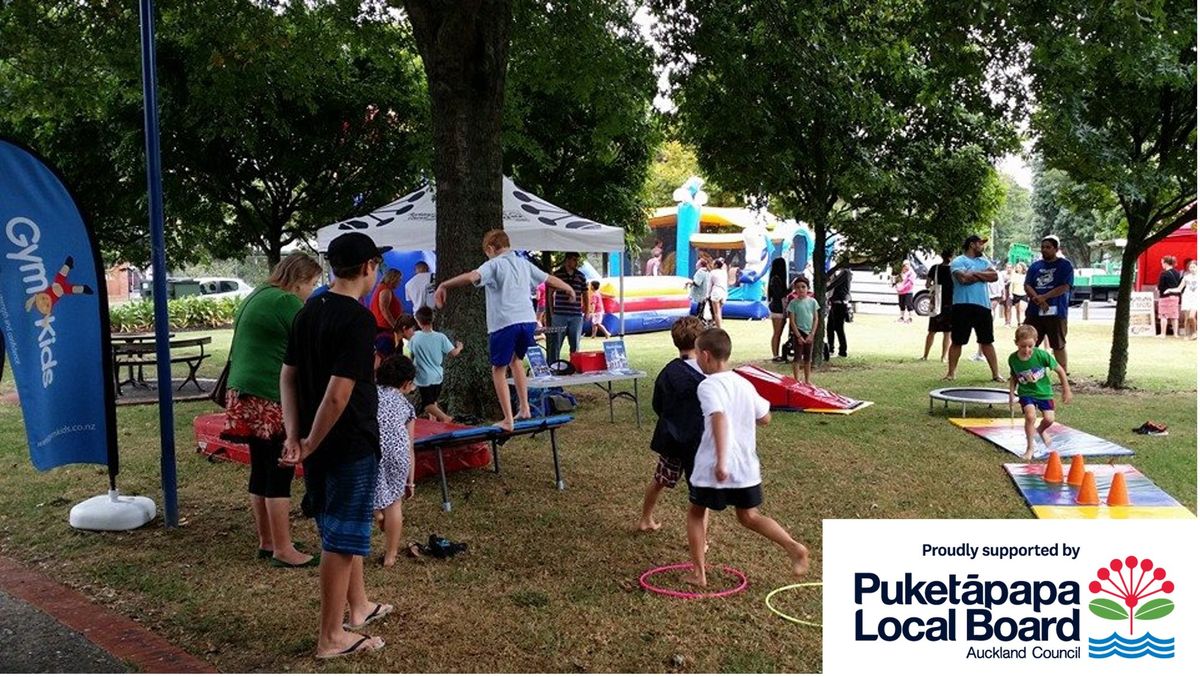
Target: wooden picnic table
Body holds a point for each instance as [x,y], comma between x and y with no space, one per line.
[136,352]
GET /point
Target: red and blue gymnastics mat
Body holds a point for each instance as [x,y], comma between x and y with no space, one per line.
[1056,500]
[1009,435]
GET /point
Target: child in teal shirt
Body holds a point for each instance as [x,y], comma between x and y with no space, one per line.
[805,322]
[1029,382]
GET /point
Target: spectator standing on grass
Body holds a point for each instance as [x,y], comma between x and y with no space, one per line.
[330,405]
[253,414]
[996,292]
[568,311]
[904,291]
[718,290]
[1189,301]
[838,293]
[698,289]
[1048,285]
[1168,296]
[941,285]
[386,307]
[972,309]
[1016,294]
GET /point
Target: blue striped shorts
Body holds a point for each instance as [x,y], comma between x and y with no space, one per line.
[345,517]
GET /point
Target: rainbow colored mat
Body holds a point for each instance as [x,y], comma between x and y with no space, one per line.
[1057,500]
[1009,434]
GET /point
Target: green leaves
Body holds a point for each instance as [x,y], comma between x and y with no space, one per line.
[1108,609]
[1154,609]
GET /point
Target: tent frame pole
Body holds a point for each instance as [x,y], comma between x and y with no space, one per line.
[621,287]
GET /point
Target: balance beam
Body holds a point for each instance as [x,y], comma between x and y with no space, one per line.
[495,436]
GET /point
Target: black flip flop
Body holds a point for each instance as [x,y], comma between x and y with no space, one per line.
[352,649]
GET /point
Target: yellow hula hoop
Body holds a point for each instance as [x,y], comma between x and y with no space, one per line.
[785,616]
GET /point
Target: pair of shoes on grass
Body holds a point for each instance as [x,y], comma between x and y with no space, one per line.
[1151,428]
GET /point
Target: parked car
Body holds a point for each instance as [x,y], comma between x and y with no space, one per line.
[870,285]
[224,287]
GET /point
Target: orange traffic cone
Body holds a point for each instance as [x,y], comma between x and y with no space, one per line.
[1087,490]
[1076,475]
[1118,493]
[1053,468]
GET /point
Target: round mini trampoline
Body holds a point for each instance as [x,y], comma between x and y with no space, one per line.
[965,396]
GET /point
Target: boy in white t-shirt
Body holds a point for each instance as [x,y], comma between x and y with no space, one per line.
[509,282]
[726,470]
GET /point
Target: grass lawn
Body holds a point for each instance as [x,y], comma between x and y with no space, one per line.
[550,582]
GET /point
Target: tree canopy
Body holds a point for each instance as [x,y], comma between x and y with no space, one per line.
[873,119]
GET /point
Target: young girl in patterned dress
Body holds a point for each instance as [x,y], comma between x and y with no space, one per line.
[395,379]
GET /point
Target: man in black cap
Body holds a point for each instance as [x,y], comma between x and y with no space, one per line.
[330,405]
[972,307]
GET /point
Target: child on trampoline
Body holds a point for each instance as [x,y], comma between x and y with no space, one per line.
[395,379]
[508,281]
[726,469]
[1029,382]
[680,423]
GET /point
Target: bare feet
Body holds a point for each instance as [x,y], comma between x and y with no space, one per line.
[505,425]
[799,560]
[948,377]
[648,524]
[696,578]
[1028,455]
[389,561]
[524,414]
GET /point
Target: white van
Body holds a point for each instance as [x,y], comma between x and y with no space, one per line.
[878,286]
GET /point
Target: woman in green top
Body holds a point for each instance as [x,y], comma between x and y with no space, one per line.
[252,406]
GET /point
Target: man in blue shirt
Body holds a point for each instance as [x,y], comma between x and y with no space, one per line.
[1048,284]
[972,306]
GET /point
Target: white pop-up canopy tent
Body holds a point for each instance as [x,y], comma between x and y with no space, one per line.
[410,224]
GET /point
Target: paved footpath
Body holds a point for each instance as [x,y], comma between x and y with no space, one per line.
[47,627]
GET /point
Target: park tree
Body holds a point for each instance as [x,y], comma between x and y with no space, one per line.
[1014,217]
[1115,91]
[675,163]
[1077,214]
[277,116]
[876,120]
[578,122]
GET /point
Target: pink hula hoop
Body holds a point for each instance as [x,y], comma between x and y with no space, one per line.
[644,581]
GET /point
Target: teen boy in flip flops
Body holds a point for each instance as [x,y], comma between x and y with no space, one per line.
[329,399]
[1029,381]
[726,470]
[508,281]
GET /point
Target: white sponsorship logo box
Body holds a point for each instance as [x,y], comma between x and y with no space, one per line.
[996,596]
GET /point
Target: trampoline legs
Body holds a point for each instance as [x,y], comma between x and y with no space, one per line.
[558,480]
[495,457]
[442,477]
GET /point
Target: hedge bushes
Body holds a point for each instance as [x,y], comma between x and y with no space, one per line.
[190,312]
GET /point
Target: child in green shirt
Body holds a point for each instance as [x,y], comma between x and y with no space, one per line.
[1029,382]
[804,320]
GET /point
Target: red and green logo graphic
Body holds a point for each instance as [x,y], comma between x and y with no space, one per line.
[1129,582]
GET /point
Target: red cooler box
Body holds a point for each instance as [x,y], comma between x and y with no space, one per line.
[589,360]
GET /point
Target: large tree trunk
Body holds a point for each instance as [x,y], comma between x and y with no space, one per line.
[1118,358]
[464,48]
[820,228]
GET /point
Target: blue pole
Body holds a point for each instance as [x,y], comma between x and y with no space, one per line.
[158,250]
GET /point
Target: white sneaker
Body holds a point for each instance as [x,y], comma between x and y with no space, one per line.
[978,358]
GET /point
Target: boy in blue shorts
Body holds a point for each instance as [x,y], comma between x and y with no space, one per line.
[508,281]
[1029,381]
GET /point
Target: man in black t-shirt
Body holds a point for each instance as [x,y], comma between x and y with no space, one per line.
[941,283]
[1168,288]
[330,409]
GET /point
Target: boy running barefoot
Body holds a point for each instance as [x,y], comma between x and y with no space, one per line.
[726,470]
[509,282]
[1029,381]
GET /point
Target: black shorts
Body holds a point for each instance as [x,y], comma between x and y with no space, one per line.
[968,317]
[718,499]
[906,302]
[429,394]
[1018,298]
[267,479]
[803,350]
[1050,327]
[940,323]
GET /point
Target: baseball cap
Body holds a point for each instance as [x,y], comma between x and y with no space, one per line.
[353,249]
[1052,238]
[973,238]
